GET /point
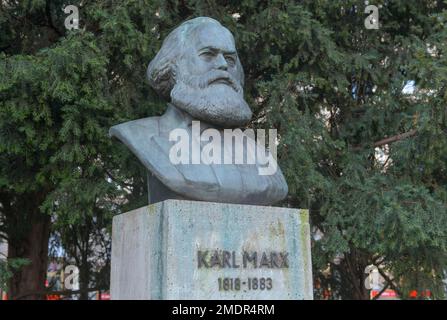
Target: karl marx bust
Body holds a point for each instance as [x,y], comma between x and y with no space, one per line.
[198,72]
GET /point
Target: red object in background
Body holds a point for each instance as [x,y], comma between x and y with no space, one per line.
[392,294]
[413,294]
[104,296]
[424,294]
[5,296]
[386,294]
[52,296]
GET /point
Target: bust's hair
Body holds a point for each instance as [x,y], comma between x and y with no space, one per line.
[161,71]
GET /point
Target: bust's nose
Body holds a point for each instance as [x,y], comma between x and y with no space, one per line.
[221,63]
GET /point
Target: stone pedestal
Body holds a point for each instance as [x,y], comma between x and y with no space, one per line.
[178,249]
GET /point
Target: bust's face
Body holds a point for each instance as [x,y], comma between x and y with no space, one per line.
[207,85]
[212,48]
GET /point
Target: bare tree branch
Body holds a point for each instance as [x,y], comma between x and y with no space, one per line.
[392,139]
[377,296]
[395,138]
[389,281]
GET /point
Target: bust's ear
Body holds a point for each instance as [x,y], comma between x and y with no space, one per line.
[162,79]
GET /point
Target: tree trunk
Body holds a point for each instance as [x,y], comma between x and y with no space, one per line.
[32,245]
[354,264]
[84,277]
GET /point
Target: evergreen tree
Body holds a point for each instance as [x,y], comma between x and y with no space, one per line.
[367,158]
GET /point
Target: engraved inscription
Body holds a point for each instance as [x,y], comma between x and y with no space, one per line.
[238,284]
[247,259]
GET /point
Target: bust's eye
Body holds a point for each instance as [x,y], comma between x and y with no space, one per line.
[207,54]
[230,59]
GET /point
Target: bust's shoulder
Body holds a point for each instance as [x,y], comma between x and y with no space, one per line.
[131,130]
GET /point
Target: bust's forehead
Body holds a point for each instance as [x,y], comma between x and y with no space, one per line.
[213,35]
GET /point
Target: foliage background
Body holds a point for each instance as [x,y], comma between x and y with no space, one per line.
[331,87]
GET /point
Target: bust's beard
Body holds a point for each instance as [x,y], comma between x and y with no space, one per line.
[221,103]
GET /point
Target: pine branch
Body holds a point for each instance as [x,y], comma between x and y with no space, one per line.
[117,180]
